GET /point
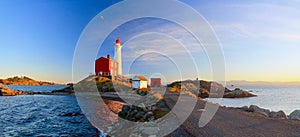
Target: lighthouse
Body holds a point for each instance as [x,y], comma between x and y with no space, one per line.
[118,55]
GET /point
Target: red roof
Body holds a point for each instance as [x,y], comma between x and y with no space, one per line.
[141,78]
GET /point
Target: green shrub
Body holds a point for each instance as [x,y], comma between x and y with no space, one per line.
[142,92]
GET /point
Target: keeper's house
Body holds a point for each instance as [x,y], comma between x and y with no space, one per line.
[139,82]
[106,67]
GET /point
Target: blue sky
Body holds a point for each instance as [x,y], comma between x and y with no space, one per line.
[260,39]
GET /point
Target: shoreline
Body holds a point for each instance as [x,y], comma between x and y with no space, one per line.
[118,100]
[238,120]
[236,116]
[68,91]
[25,81]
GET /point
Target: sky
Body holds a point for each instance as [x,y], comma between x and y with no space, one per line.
[260,40]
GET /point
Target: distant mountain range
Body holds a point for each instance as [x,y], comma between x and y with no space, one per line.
[260,83]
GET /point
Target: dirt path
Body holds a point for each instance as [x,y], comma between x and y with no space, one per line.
[231,122]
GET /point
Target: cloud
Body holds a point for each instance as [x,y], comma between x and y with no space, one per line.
[159,47]
[260,20]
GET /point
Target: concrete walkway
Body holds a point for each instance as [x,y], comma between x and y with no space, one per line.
[231,122]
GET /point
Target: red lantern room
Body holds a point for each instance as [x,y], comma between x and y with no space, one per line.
[118,41]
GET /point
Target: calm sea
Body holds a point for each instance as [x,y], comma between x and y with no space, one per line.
[38,88]
[274,98]
[42,115]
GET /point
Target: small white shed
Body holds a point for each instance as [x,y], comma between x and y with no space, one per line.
[139,82]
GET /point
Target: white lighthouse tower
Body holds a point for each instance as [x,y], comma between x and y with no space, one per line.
[118,55]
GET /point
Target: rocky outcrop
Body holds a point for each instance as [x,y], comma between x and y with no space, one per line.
[70,114]
[238,93]
[147,109]
[114,106]
[139,114]
[103,84]
[67,90]
[143,114]
[295,115]
[264,112]
[26,81]
[208,85]
[6,91]
[203,93]
[278,115]
[205,89]
[256,109]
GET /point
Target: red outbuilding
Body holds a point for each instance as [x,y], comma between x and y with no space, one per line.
[155,82]
[106,66]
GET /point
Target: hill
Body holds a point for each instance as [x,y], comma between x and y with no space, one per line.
[26,81]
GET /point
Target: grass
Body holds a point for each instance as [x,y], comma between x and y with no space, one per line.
[174,89]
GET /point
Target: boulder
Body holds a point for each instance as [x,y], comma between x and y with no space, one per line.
[203,93]
[238,93]
[70,114]
[245,108]
[256,109]
[278,115]
[295,115]
[189,87]
[114,106]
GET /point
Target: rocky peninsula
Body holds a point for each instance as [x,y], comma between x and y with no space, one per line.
[249,120]
[6,91]
[24,81]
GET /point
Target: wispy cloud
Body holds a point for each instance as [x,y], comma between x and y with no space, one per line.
[260,20]
[155,47]
[169,40]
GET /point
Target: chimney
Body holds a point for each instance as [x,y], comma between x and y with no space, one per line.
[108,56]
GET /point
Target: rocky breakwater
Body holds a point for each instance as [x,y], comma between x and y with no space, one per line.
[205,87]
[264,112]
[6,91]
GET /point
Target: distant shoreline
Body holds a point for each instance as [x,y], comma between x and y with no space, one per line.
[241,83]
[25,81]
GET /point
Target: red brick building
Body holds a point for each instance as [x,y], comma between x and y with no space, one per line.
[106,66]
[155,82]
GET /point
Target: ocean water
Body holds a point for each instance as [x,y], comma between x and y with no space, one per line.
[274,98]
[42,115]
[38,88]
